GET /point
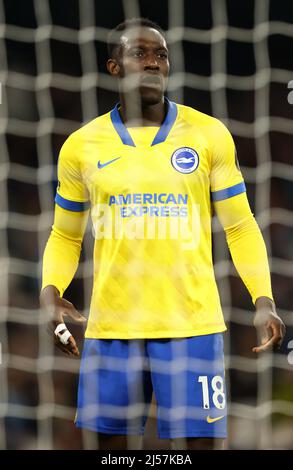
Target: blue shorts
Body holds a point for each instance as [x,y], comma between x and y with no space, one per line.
[117,378]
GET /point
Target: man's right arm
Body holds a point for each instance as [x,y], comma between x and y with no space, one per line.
[60,263]
[62,251]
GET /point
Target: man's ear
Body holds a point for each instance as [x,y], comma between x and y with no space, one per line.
[113,67]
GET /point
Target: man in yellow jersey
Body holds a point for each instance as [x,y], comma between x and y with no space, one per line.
[150,172]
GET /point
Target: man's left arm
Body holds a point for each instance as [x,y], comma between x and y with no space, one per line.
[243,235]
[249,255]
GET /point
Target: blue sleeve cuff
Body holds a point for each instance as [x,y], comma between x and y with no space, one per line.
[228,192]
[71,205]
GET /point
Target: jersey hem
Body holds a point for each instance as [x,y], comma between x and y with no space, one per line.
[157,334]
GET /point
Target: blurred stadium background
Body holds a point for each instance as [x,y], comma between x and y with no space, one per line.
[229,59]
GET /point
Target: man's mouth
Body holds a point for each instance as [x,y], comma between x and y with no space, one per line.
[151,80]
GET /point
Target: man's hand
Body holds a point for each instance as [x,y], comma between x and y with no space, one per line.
[270,327]
[57,308]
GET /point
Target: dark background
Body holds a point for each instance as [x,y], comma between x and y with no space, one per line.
[44,98]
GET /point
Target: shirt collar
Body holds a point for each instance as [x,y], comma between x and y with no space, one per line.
[162,133]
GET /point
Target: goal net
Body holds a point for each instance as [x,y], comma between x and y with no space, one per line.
[232,60]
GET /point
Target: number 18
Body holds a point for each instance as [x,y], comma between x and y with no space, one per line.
[218,397]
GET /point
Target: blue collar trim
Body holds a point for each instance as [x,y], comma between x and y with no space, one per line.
[162,133]
[165,128]
[120,128]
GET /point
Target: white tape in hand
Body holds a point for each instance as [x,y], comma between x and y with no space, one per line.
[64,337]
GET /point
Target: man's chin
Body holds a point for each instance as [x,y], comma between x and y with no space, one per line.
[151,96]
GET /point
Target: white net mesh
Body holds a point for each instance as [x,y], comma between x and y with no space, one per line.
[232,64]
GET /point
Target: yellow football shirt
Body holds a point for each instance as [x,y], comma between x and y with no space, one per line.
[150,192]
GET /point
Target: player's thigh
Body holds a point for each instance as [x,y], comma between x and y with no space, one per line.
[119,442]
[100,441]
[197,443]
[189,384]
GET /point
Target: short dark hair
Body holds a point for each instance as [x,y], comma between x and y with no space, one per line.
[114,36]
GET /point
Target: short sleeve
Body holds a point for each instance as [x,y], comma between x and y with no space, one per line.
[72,193]
[225,178]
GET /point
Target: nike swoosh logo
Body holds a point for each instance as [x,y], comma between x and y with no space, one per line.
[102,165]
[212,420]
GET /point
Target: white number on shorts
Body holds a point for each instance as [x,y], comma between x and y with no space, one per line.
[205,391]
[218,389]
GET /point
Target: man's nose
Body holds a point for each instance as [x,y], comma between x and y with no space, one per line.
[151,62]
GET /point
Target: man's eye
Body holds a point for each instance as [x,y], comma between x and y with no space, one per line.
[137,53]
[163,55]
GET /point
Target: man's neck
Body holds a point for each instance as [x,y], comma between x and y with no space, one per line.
[134,113]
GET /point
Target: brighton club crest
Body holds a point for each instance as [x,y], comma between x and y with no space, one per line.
[185,160]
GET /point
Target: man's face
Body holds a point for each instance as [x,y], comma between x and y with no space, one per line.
[143,63]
